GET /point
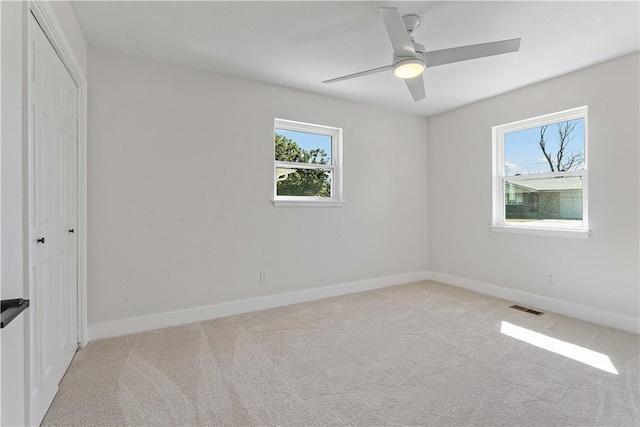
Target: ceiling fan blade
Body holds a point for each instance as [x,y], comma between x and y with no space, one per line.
[360,74]
[463,53]
[400,40]
[416,87]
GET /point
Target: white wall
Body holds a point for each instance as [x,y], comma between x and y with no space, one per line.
[600,273]
[72,32]
[180,165]
[11,148]
[12,337]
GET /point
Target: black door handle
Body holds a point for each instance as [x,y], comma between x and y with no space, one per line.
[40,240]
[71,231]
[11,308]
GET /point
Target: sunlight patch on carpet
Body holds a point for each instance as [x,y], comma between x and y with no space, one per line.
[572,351]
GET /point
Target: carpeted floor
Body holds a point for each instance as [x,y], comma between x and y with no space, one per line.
[416,354]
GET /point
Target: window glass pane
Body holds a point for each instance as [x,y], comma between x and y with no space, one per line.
[303,182]
[553,200]
[555,147]
[294,146]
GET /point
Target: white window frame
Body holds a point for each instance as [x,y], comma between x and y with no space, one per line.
[335,166]
[499,223]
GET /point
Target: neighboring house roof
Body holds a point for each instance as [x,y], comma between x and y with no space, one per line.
[550,184]
[283,173]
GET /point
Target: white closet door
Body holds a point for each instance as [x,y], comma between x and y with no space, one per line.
[66,186]
[52,214]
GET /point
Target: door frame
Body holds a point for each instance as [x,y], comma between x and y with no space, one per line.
[55,33]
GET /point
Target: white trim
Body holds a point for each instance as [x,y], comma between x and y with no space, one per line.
[55,33]
[544,175]
[182,317]
[83,334]
[577,232]
[499,177]
[304,127]
[589,314]
[175,318]
[298,165]
[307,203]
[571,114]
[335,166]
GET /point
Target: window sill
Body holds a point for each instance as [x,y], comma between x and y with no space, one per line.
[307,203]
[576,233]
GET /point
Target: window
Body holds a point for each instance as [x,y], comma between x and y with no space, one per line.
[540,175]
[307,166]
[513,197]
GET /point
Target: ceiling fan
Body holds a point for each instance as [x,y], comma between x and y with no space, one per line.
[410,58]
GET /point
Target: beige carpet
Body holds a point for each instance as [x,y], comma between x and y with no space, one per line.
[417,354]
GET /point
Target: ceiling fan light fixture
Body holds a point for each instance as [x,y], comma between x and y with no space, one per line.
[410,59]
[408,68]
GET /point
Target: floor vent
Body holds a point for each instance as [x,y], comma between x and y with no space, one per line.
[527,310]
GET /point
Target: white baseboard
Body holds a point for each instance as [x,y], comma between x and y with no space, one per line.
[618,321]
[182,317]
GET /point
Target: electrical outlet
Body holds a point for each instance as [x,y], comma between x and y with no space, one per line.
[549,278]
[264,276]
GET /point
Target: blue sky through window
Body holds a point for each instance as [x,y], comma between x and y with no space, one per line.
[309,141]
[523,154]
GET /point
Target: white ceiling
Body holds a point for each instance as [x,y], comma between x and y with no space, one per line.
[300,43]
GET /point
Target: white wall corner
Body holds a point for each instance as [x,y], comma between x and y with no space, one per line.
[183,317]
[589,314]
